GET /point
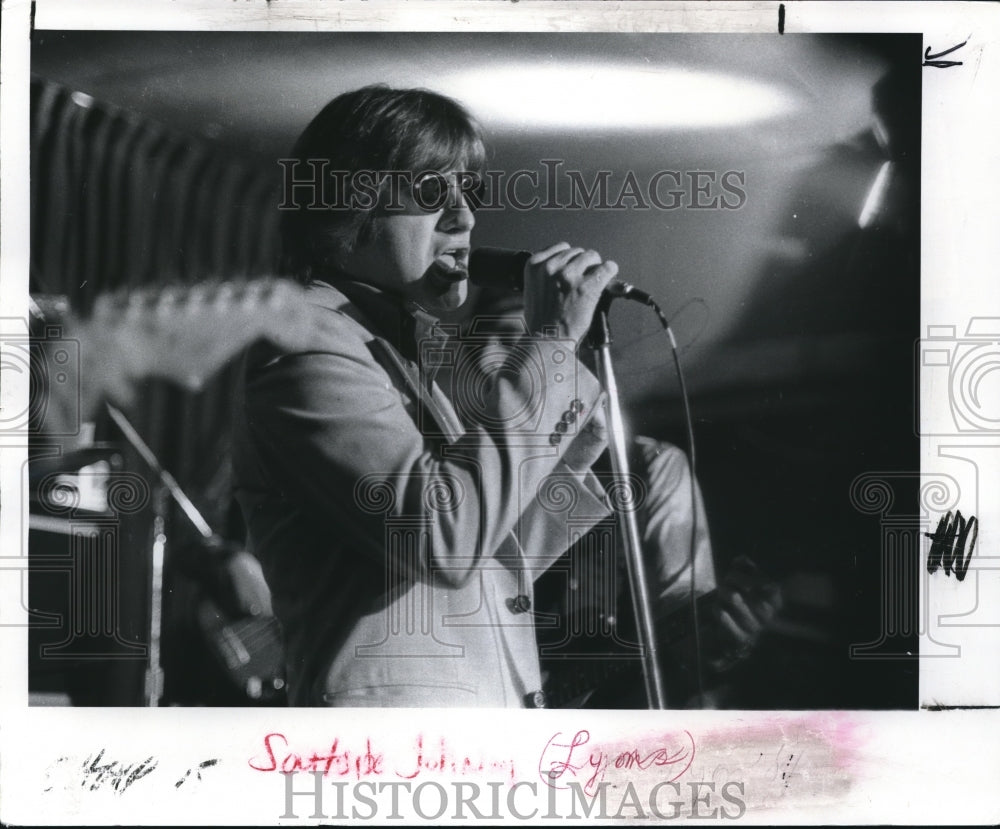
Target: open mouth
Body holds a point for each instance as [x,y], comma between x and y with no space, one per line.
[453,258]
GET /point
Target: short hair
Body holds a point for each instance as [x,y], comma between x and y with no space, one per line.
[374,128]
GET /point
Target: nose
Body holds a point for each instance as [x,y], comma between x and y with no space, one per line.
[456,217]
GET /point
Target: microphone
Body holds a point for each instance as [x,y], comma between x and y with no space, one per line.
[503,269]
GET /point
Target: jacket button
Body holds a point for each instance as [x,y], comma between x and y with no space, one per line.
[535,699]
[520,604]
[555,438]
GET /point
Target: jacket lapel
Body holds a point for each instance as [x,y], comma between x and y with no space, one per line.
[440,419]
[366,305]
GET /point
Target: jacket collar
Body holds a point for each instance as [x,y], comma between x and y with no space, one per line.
[399,327]
[403,323]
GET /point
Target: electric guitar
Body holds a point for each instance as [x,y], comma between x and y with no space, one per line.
[589,656]
[184,334]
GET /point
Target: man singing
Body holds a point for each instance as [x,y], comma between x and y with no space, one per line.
[400,531]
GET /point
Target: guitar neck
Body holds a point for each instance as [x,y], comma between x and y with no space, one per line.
[184,334]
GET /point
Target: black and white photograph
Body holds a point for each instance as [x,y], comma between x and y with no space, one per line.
[450,371]
[762,192]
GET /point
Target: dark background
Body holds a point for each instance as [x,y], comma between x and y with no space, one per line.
[153,163]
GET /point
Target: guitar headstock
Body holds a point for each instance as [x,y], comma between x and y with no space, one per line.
[187,333]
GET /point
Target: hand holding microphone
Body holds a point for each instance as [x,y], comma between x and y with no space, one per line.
[562,284]
[507,270]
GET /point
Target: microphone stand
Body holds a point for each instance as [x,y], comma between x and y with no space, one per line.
[600,342]
[168,487]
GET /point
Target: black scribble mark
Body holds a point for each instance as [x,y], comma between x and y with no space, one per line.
[115,774]
[932,60]
[789,769]
[781,18]
[197,771]
[948,545]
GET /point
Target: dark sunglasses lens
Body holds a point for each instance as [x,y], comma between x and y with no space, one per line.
[432,190]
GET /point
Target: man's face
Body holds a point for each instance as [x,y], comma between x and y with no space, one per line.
[411,249]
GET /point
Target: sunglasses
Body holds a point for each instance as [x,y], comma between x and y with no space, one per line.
[432,191]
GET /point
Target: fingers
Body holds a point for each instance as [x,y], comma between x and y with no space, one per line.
[748,604]
[564,264]
[603,274]
[759,595]
[732,632]
[741,613]
[542,255]
[570,265]
[773,599]
[563,285]
[742,622]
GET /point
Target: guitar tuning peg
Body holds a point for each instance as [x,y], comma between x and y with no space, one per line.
[259,292]
[267,294]
[151,303]
[225,293]
[272,292]
[278,291]
[244,293]
[199,295]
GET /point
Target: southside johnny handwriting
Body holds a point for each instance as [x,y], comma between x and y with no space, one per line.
[340,760]
[564,759]
[368,782]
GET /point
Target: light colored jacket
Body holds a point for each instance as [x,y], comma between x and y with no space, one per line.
[400,534]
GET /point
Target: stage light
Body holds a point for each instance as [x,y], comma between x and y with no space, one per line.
[571,96]
[876,196]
